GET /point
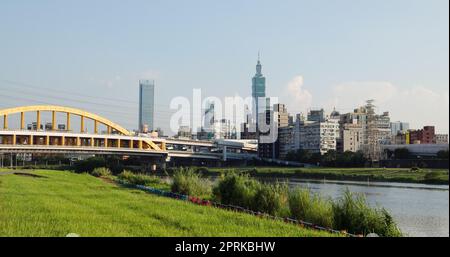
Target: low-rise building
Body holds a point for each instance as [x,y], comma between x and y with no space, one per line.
[441,138]
[184,132]
[421,136]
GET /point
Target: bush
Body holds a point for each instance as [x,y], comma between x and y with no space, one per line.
[353,214]
[236,189]
[187,182]
[101,172]
[202,170]
[401,153]
[311,208]
[271,199]
[414,169]
[137,179]
[443,154]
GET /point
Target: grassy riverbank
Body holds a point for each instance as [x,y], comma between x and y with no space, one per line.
[426,176]
[55,203]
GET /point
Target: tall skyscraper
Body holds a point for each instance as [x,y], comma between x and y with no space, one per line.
[146,105]
[258,87]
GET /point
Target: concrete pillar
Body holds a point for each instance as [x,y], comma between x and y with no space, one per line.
[47,140]
[78,141]
[31,140]
[53,120]
[63,140]
[38,120]
[22,121]
[82,124]
[95,126]
[163,164]
[68,121]
[92,142]
[5,121]
[224,153]
[14,139]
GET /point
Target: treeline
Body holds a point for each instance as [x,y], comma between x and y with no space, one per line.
[330,159]
[403,154]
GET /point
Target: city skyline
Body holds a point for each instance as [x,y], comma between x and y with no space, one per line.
[399,56]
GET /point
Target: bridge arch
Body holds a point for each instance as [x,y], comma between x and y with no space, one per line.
[61,109]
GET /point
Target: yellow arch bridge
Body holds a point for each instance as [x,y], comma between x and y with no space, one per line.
[35,137]
[114,140]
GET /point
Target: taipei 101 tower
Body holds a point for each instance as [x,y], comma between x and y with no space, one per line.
[258,89]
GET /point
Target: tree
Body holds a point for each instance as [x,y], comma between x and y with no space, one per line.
[401,153]
[443,154]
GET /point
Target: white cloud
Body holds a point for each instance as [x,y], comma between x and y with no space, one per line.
[296,97]
[418,105]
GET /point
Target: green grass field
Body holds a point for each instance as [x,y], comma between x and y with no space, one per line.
[61,202]
[361,174]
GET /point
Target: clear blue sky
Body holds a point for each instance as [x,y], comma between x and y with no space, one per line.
[103,47]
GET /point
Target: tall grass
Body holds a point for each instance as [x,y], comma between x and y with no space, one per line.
[272,199]
[137,179]
[353,213]
[241,190]
[101,172]
[188,182]
[310,207]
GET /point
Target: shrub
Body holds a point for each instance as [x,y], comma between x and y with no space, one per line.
[89,164]
[414,169]
[101,172]
[202,170]
[352,213]
[187,182]
[137,179]
[236,189]
[443,154]
[271,199]
[311,207]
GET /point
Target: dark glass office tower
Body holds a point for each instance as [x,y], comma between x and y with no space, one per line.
[146,105]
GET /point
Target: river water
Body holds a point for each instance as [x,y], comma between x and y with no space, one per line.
[419,210]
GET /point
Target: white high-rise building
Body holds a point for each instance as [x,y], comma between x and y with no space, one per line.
[318,137]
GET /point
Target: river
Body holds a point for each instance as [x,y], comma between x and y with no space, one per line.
[419,209]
